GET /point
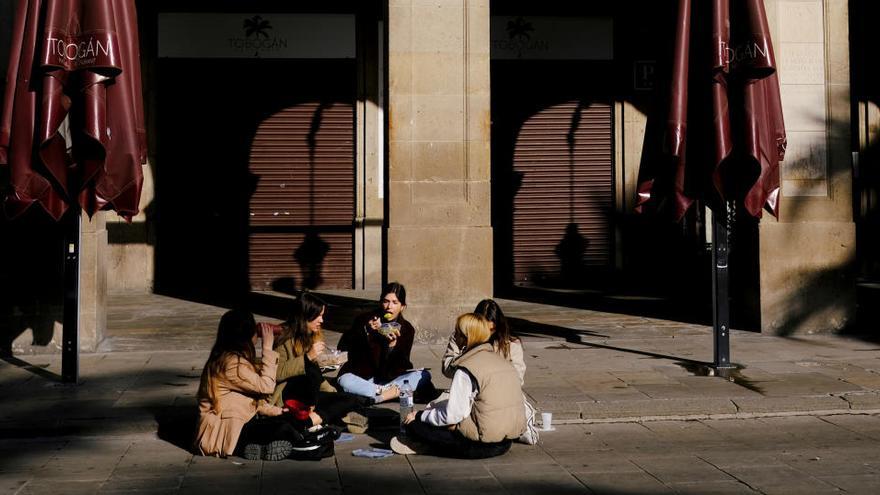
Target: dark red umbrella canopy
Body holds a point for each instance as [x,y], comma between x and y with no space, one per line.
[72,129]
[724,135]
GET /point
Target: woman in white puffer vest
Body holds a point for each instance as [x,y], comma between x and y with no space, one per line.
[484,411]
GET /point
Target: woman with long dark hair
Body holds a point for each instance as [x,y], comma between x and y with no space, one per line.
[379,344]
[234,415]
[300,385]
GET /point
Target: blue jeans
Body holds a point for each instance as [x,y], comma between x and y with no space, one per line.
[354,384]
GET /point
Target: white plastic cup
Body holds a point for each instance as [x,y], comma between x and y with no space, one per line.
[547,420]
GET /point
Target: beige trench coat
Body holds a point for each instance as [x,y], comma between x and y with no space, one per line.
[242,391]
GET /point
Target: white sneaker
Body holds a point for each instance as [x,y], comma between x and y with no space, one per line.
[407,446]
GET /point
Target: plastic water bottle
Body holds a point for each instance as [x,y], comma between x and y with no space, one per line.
[406,404]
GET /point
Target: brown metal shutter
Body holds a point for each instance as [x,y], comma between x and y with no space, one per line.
[302,210]
[563,160]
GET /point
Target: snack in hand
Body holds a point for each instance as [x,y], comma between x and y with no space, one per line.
[388,327]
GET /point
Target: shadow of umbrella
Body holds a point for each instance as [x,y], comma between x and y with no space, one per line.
[311,253]
[571,250]
[72,130]
[310,256]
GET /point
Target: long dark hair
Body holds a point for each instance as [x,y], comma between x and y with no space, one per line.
[501,337]
[235,335]
[395,288]
[306,308]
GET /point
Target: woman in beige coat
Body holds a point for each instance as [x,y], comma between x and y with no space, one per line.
[234,415]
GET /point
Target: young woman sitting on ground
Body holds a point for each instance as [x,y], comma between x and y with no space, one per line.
[379,345]
[233,391]
[508,347]
[300,385]
[484,411]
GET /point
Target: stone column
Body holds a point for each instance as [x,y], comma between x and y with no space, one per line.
[439,238]
[807,256]
[93,282]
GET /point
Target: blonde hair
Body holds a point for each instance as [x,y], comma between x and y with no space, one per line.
[474,328]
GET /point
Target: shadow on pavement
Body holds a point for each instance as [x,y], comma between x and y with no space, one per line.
[574,336]
[37,370]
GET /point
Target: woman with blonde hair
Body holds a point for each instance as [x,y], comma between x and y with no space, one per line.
[484,411]
[504,342]
[506,345]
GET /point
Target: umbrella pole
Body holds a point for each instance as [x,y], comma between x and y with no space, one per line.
[721,287]
[70,332]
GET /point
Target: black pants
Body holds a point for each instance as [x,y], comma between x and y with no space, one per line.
[331,406]
[265,429]
[448,443]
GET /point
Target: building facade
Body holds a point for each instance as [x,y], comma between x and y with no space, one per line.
[468,149]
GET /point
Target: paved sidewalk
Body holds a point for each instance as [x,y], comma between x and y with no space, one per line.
[801,416]
[589,366]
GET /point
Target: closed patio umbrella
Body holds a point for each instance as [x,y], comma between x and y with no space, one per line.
[724,135]
[72,128]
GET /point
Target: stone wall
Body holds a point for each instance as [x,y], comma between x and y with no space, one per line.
[808,254]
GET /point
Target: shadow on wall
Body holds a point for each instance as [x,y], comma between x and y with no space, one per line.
[31,279]
[594,252]
[242,207]
[865,81]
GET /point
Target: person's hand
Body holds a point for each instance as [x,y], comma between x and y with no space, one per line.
[392,336]
[374,323]
[316,419]
[265,332]
[317,349]
[409,418]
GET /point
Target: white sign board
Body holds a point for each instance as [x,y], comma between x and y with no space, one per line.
[552,38]
[212,35]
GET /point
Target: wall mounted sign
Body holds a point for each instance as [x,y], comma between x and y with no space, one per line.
[214,35]
[552,38]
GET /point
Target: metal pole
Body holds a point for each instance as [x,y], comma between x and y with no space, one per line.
[721,286]
[70,333]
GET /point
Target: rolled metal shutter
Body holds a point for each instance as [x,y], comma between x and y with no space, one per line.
[563,163]
[302,210]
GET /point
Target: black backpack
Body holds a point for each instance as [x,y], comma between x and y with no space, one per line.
[314,444]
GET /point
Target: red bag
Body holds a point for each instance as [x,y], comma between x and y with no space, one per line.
[299,410]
